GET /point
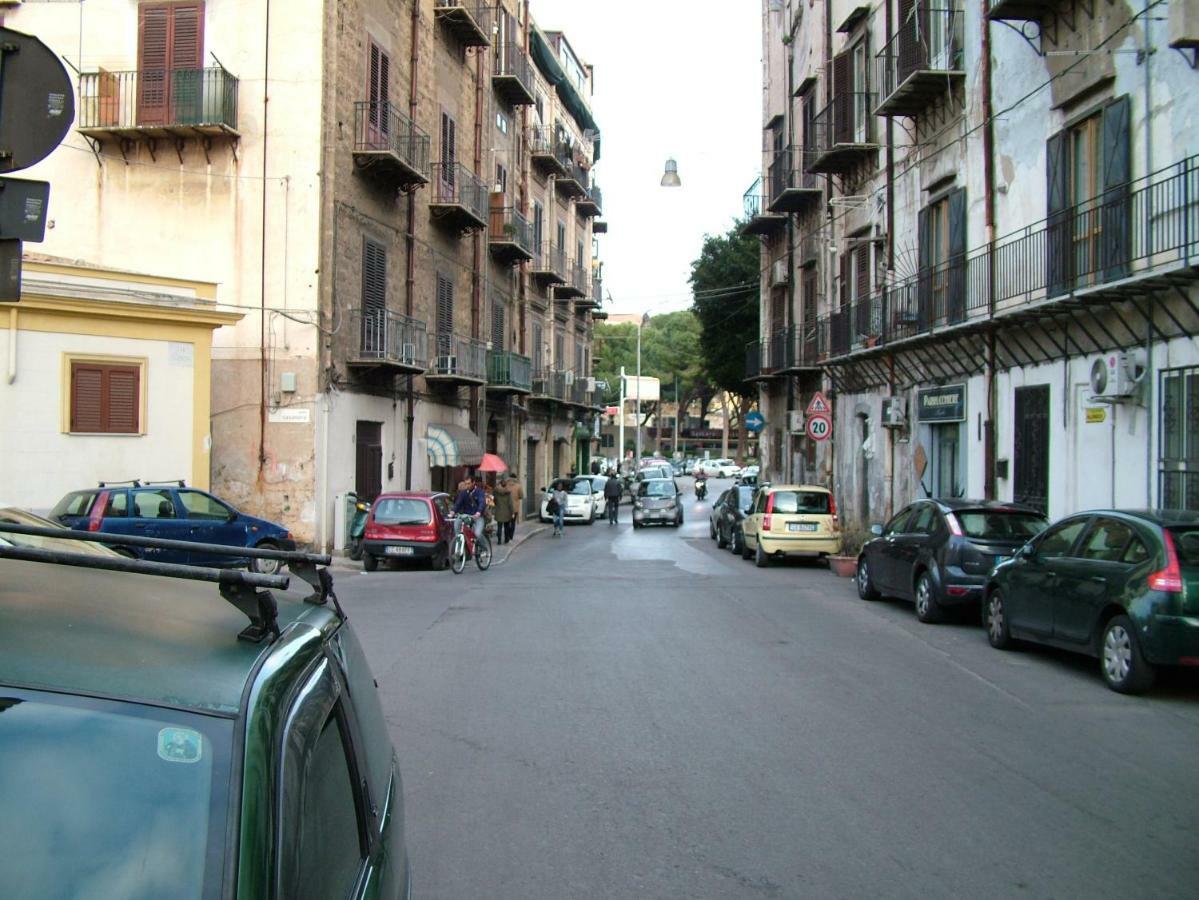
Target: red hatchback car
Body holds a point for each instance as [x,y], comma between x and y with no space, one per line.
[408,526]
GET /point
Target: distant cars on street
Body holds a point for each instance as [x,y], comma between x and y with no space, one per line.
[719,468]
[580,501]
[938,553]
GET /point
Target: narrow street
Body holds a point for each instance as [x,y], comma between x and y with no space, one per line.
[641,714]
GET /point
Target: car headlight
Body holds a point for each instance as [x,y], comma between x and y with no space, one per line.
[637,504]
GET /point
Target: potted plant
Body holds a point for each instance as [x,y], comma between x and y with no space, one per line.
[845,564]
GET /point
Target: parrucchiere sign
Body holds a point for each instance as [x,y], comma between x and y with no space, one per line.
[941,404]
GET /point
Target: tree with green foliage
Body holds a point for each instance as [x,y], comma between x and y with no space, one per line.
[725,283]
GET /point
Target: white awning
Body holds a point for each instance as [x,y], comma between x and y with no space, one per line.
[453,445]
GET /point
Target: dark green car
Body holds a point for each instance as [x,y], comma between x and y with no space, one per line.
[147,751]
[1117,584]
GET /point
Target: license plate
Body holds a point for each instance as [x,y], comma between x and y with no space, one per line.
[398,551]
[801,526]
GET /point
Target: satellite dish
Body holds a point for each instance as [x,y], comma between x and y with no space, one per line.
[1099,377]
[37,101]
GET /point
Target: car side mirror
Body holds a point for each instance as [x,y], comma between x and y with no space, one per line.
[876,530]
[1026,552]
[232,517]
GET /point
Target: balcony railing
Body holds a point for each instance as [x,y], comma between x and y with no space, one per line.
[469,22]
[459,198]
[549,383]
[388,144]
[786,350]
[1106,248]
[596,296]
[512,75]
[575,284]
[592,204]
[843,134]
[509,371]
[549,154]
[1020,10]
[575,181]
[458,358]
[757,219]
[580,391]
[791,189]
[155,102]
[549,264]
[509,234]
[389,339]
[922,60]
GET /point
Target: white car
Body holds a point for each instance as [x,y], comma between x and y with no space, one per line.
[580,502]
[720,468]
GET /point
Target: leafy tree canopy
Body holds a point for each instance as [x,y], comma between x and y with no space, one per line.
[669,350]
[724,281]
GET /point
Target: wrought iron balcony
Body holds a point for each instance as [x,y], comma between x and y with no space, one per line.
[575,284]
[1020,10]
[595,296]
[549,383]
[459,198]
[389,146]
[155,103]
[843,134]
[509,235]
[458,359]
[791,189]
[593,204]
[548,155]
[512,75]
[549,264]
[580,391]
[1128,241]
[599,227]
[390,340]
[923,59]
[509,372]
[757,219]
[575,182]
[469,22]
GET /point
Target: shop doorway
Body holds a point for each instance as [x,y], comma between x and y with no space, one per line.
[368,454]
[1030,456]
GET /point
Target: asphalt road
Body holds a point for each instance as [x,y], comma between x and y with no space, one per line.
[620,714]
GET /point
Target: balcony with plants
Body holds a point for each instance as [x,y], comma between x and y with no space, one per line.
[548,152]
[509,234]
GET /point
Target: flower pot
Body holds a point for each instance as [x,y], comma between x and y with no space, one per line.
[843,566]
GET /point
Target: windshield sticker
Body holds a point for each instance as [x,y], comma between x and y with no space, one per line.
[180,745]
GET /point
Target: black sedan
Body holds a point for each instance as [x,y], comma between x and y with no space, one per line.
[1117,584]
[938,553]
[727,512]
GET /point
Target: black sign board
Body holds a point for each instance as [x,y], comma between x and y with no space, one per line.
[941,404]
[23,209]
[37,102]
[10,271]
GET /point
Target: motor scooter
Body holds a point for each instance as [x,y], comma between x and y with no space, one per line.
[357,525]
[701,488]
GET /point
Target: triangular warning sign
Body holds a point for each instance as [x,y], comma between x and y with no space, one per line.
[818,405]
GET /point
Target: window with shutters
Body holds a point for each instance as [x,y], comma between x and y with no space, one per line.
[377,94]
[537,348]
[561,235]
[445,314]
[449,149]
[105,396]
[941,236]
[170,57]
[497,326]
[560,350]
[538,225]
[501,179]
[374,297]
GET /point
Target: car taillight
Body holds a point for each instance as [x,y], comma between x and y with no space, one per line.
[93,524]
[766,523]
[1168,579]
[832,506]
[770,504]
[955,527]
[428,533]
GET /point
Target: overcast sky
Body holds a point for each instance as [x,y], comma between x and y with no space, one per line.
[671,79]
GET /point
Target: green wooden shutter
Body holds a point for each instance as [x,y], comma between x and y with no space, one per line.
[1057,236]
[924,281]
[842,99]
[1116,205]
[957,256]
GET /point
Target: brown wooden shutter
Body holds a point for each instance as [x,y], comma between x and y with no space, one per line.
[497,326]
[170,53]
[87,398]
[842,98]
[123,396]
[153,44]
[374,276]
[445,305]
[862,272]
[372,84]
[105,399]
[187,36]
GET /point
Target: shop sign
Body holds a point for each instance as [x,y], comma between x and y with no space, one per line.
[941,404]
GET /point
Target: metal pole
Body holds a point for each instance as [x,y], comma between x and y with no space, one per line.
[637,458]
[620,439]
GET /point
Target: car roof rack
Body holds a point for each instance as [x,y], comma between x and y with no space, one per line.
[178,482]
[237,587]
[135,482]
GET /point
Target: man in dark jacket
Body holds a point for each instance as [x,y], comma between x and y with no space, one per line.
[612,490]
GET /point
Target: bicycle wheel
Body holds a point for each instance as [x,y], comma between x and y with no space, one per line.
[458,555]
[483,553]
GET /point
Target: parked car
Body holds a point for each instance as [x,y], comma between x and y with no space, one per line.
[658,500]
[189,762]
[408,526]
[791,520]
[175,512]
[748,475]
[597,493]
[13,515]
[1118,585]
[580,501]
[729,511]
[939,553]
[662,470]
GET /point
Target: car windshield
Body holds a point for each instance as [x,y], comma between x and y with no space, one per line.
[656,488]
[76,503]
[1186,545]
[402,511]
[582,486]
[999,524]
[15,516]
[802,502]
[105,799]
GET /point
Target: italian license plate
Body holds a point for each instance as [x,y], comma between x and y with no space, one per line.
[801,526]
[398,551]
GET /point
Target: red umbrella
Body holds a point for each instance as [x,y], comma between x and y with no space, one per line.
[492,463]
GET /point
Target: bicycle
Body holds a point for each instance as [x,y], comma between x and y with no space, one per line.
[466,545]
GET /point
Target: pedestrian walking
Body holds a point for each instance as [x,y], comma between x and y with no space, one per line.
[559,507]
[612,492]
[516,492]
[504,511]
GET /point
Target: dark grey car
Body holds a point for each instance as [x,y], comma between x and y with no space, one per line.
[938,553]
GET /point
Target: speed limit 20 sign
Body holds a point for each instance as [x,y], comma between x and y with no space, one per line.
[819,427]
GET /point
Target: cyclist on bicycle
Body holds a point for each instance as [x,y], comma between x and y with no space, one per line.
[472,501]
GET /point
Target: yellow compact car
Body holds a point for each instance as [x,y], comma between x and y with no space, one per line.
[791,520]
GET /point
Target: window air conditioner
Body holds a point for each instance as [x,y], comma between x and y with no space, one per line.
[795,421]
[568,378]
[778,272]
[894,414]
[447,364]
[590,385]
[1117,375]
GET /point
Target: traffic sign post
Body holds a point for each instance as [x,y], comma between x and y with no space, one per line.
[819,427]
[754,421]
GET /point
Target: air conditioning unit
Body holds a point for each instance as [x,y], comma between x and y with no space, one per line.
[1117,375]
[590,385]
[568,378]
[447,364]
[795,421]
[894,413]
[778,272]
